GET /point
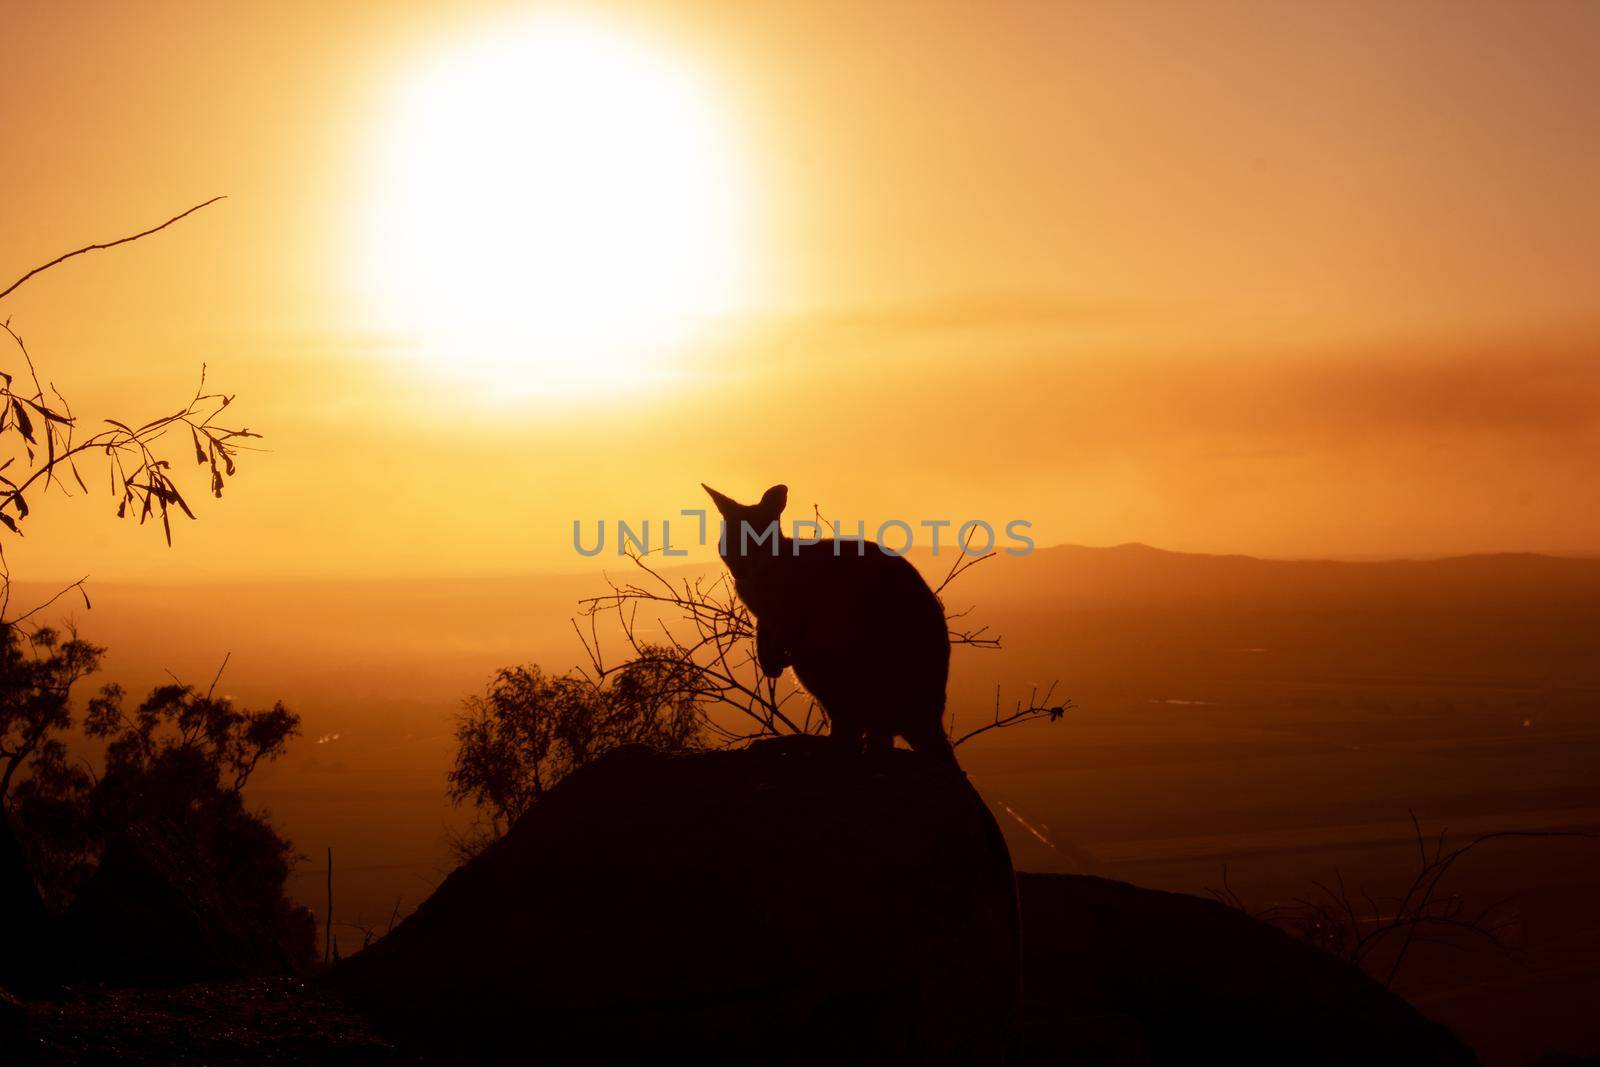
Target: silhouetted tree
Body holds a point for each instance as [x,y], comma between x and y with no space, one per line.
[182,760]
[182,757]
[530,729]
[40,449]
[37,672]
[181,744]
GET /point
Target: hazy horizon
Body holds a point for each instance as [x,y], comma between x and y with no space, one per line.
[595,570]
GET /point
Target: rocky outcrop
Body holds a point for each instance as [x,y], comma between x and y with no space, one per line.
[1114,974]
[793,902]
[789,902]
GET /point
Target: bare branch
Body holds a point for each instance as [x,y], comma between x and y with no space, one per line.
[25,616]
[1037,707]
[1333,924]
[108,244]
[226,657]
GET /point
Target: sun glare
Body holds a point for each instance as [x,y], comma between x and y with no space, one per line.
[557,208]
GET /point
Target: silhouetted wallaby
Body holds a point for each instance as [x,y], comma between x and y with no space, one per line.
[864,633]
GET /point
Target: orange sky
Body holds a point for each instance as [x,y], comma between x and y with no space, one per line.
[1277,279]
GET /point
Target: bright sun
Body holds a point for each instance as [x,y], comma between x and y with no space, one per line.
[558,209]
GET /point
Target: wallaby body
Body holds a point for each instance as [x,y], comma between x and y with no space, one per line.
[862,630]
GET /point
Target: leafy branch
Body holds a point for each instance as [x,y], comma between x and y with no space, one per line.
[37,425]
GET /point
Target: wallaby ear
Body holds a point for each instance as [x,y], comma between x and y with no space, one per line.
[724,504]
[774,500]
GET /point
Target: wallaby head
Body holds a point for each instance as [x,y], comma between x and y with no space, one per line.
[757,519]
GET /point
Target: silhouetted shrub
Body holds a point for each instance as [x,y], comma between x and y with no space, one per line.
[531,729]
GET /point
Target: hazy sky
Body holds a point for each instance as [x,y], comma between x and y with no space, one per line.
[1285,279]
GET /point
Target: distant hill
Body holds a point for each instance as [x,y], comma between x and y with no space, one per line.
[1135,611]
[1133,575]
[1093,613]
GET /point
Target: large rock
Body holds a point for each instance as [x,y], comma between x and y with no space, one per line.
[1114,974]
[790,902]
[795,903]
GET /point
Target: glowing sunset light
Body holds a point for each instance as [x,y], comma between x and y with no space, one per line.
[1150,601]
[556,208]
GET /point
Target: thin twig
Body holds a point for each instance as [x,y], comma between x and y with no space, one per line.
[108,244]
[225,658]
[78,585]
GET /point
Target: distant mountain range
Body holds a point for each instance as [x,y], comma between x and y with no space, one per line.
[1108,613]
[1519,619]
[1136,574]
